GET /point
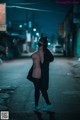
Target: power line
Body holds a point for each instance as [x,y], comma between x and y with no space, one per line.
[33,9]
[27,8]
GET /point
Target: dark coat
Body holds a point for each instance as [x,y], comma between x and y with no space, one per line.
[48,57]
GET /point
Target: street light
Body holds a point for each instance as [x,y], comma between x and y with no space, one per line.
[37,34]
[49,43]
[20,26]
[34,29]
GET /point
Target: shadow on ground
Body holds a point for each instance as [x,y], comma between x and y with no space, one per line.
[50,115]
[33,116]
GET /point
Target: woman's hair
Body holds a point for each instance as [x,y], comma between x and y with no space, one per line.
[40,43]
[43,41]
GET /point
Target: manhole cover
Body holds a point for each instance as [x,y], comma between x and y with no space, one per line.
[4,95]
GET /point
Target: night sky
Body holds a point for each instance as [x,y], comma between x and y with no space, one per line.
[48,20]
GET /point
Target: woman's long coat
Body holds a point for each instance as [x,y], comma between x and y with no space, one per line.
[48,57]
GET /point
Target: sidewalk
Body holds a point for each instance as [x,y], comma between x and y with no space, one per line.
[26,55]
[75,68]
[22,56]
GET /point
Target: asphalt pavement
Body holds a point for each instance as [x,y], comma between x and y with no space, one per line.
[17,93]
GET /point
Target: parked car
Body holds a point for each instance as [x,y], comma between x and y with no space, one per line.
[57,49]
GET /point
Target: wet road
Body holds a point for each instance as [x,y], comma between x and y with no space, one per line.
[64,91]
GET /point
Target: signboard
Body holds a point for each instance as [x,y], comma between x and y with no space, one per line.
[2,17]
[76,13]
[61,29]
[28,36]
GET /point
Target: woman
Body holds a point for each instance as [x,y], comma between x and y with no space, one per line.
[41,59]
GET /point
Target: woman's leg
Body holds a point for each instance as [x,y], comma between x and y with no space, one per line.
[45,95]
[36,92]
[48,107]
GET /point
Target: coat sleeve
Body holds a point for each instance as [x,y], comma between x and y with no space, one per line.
[49,56]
